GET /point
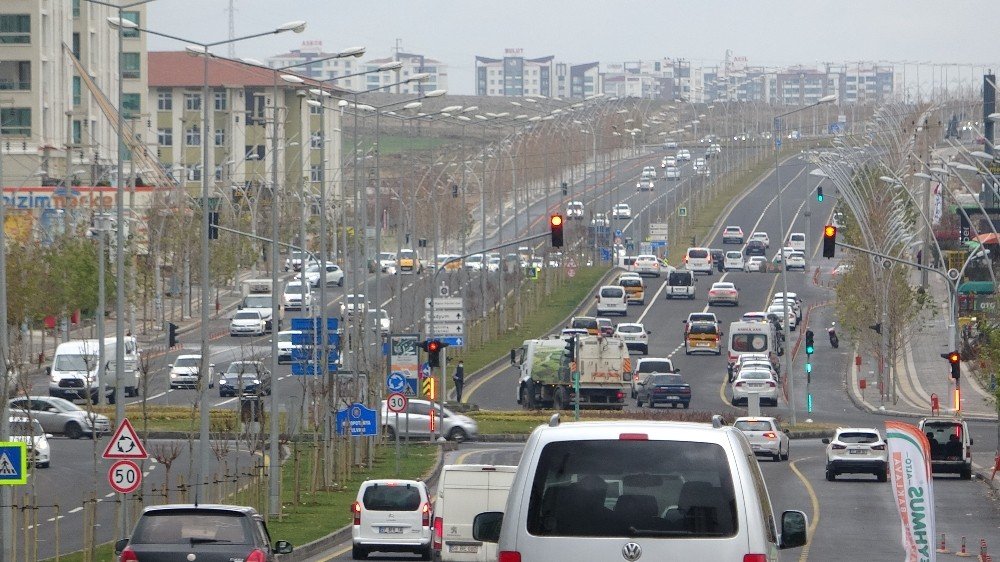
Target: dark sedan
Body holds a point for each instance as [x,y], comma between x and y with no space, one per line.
[663,388]
[755,248]
[245,377]
[210,533]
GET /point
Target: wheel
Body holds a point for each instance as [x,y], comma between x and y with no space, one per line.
[73,430]
[561,399]
[359,553]
[173,386]
[426,553]
[882,476]
[42,465]
[390,433]
[966,473]
[830,475]
[341,282]
[645,350]
[776,457]
[687,405]
[457,435]
[784,457]
[638,402]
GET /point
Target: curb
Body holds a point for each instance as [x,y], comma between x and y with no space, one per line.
[343,534]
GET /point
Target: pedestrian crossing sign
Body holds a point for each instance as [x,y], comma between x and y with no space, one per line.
[13,463]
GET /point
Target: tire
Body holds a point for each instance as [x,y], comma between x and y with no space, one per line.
[638,403]
[965,474]
[426,553]
[645,350]
[686,350]
[359,553]
[458,435]
[776,457]
[42,465]
[785,456]
[341,282]
[561,399]
[527,398]
[390,433]
[687,405]
[830,475]
[882,476]
[73,430]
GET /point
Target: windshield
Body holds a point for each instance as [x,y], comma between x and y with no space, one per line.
[703,328]
[611,292]
[755,343]
[294,288]
[257,302]
[697,254]
[474,259]
[247,315]
[188,527]
[625,329]
[679,278]
[655,367]
[391,498]
[664,379]
[65,362]
[631,282]
[748,425]
[756,375]
[187,362]
[387,256]
[858,437]
[355,299]
[242,368]
[406,255]
[25,427]
[584,323]
[621,488]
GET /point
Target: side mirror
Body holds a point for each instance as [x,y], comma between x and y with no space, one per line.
[826,440]
[120,545]
[649,332]
[282,547]
[677,369]
[239,307]
[970,441]
[170,365]
[486,526]
[48,371]
[786,431]
[49,436]
[684,321]
[793,529]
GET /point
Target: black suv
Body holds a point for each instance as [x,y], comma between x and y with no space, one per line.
[212,533]
[755,248]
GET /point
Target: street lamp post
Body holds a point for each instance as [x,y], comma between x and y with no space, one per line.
[781,231]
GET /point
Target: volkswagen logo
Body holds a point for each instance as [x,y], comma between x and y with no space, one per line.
[631,551]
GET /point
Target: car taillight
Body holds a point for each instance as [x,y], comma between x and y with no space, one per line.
[256,555]
[837,447]
[356,510]
[128,555]
[620,395]
[634,436]
[438,532]
[739,384]
[878,447]
[770,435]
[425,515]
[509,556]
[754,558]
[771,384]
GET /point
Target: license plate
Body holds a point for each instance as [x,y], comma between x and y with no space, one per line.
[755,447]
[702,345]
[390,530]
[755,385]
[463,548]
[673,397]
[857,451]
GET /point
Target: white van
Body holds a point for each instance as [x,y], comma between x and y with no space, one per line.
[698,260]
[74,369]
[752,337]
[621,490]
[797,241]
[464,490]
[612,299]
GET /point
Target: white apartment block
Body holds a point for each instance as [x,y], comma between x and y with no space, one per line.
[517,76]
[51,128]
[350,74]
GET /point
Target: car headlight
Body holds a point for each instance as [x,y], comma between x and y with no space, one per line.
[223,381]
[255,381]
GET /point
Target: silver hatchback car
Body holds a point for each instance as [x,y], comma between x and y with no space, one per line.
[416,421]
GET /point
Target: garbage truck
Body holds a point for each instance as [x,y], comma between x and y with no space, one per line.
[559,372]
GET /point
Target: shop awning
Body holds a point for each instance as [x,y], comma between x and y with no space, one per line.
[977,287]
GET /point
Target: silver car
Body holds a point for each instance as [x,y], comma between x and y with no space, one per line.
[58,415]
[415,422]
[758,381]
[765,436]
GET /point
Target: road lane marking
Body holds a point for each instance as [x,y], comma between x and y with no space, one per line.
[111,495]
[814,500]
[76,510]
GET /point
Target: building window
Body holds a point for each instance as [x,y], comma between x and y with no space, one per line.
[15,75]
[76,8]
[77,131]
[220,137]
[134,18]
[76,45]
[165,137]
[164,100]
[218,173]
[130,105]
[316,140]
[316,172]
[192,102]
[15,121]
[130,65]
[220,101]
[77,91]
[194,172]
[15,28]
[315,109]
[192,137]
[254,152]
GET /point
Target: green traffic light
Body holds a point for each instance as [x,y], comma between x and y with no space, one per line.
[809,367]
[819,194]
[809,402]
[809,350]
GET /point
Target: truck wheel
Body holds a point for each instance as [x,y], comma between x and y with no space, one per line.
[527,398]
[561,400]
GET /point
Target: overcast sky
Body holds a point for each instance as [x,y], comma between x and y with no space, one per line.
[769,33]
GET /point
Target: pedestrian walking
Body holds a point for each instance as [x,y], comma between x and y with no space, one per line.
[459,379]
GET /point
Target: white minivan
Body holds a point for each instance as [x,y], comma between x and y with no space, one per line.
[698,260]
[631,489]
[797,241]
[612,299]
[463,491]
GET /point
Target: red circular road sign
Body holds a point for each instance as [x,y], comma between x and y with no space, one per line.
[125,476]
[396,402]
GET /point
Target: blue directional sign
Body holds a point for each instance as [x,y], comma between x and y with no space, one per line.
[395,382]
[605,254]
[13,463]
[451,340]
[314,323]
[357,421]
[425,369]
[618,232]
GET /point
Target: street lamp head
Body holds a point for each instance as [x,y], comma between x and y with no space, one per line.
[470,109]
[435,93]
[993,116]
[396,65]
[292,79]
[297,26]
[463,118]
[981,154]
[196,50]
[939,170]
[923,176]
[342,103]
[817,172]
[419,77]
[827,99]
[352,52]
[253,61]
[518,104]
[535,118]
[115,23]
[413,105]
[451,109]
[314,103]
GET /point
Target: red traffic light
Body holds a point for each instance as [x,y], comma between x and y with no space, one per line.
[433,346]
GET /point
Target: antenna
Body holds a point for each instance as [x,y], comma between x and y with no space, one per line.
[232,28]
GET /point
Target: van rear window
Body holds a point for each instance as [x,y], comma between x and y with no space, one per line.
[623,488]
[753,343]
[584,323]
[612,292]
[703,328]
[697,254]
[679,278]
[391,498]
[630,282]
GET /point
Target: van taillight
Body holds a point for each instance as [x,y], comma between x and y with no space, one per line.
[878,447]
[509,556]
[128,555]
[356,510]
[256,555]
[754,558]
[425,515]
[438,532]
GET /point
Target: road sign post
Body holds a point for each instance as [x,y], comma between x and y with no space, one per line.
[396,403]
[124,476]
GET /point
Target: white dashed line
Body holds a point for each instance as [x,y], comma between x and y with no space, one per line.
[75,510]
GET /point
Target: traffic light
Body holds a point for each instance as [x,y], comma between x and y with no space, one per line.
[565,188]
[810,342]
[819,193]
[571,348]
[829,241]
[556,226]
[213,225]
[454,190]
[955,361]
[433,349]
[171,335]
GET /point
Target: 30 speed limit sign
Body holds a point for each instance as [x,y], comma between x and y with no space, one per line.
[125,476]
[396,402]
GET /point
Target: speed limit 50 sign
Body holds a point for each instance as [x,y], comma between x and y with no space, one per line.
[125,476]
[396,402]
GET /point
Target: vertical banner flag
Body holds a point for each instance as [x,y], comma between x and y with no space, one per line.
[913,489]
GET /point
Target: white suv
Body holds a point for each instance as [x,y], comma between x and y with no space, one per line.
[391,516]
[766,436]
[856,450]
[662,490]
